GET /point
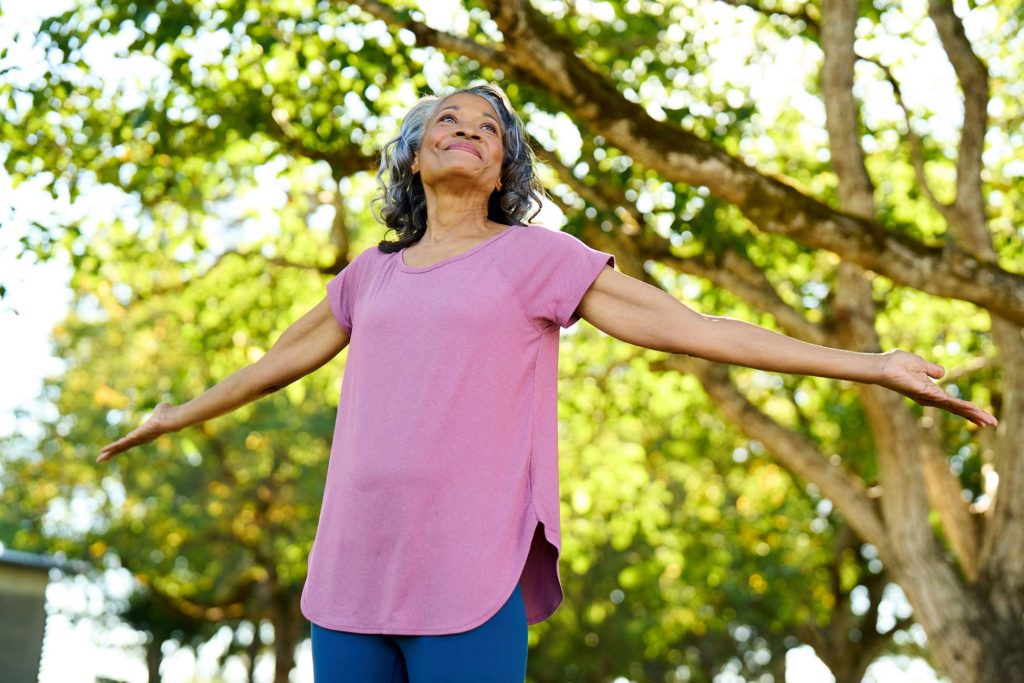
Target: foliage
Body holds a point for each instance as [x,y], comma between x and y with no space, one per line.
[685,543]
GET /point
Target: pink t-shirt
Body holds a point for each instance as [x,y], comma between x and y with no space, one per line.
[442,485]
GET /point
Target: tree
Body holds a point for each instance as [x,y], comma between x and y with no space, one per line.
[144,612]
[801,239]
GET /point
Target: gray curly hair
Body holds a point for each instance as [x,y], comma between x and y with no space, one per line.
[405,203]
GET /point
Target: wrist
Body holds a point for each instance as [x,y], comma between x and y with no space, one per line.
[175,419]
[879,362]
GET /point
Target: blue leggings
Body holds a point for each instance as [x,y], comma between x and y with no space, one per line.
[493,652]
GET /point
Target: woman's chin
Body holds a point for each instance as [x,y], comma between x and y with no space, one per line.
[453,173]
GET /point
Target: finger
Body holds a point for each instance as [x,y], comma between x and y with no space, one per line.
[130,440]
[986,419]
[115,447]
[935,370]
[962,411]
[976,414]
[982,417]
[934,396]
[112,449]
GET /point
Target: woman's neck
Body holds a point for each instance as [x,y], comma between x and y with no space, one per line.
[454,216]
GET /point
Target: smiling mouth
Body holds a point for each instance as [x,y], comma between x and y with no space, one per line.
[463,149]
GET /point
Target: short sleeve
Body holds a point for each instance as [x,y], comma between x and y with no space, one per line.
[553,272]
[342,290]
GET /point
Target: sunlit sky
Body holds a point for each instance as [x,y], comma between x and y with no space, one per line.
[39,295]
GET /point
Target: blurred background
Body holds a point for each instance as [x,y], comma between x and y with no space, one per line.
[181,178]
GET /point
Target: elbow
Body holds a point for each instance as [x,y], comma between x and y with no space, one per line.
[266,379]
[268,389]
[693,335]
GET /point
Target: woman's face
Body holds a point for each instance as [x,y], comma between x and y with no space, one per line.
[462,143]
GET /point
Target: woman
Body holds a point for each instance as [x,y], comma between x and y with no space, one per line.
[439,535]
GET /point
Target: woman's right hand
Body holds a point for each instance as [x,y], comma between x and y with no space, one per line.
[307,344]
[160,422]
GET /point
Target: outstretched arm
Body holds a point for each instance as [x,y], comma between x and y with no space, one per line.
[307,344]
[636,312]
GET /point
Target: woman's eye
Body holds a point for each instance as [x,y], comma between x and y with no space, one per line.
[450,116]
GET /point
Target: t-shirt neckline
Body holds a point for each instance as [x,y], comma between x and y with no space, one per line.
[469,252]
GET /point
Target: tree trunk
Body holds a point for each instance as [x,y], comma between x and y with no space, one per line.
[777,667]
[253,651]
[966,635]
[154,656]
[287,620]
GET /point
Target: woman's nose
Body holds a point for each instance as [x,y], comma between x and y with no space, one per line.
[462,132]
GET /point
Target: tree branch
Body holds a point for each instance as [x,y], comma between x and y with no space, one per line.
[1000,563]
[944,495]
[346,161]
[794,451]
[916,146]
[803,14]
[536,54]
[600,195]
[534,46]
[230,606]
[734,271]
[909,502]
[973,77]
[161,290]
[842,119]
[490,55]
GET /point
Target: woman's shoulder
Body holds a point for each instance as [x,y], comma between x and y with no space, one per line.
[550,239]
[372,253]
[533,229]
[365,260]
[542,234]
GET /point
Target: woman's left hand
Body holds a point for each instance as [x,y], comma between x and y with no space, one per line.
[910,375]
